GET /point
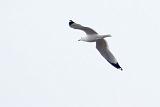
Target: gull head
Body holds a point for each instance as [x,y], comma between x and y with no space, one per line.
[82,39]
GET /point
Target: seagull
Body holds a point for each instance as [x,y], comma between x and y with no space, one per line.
[101,44]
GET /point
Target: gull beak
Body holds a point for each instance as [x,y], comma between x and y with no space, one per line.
[80,39]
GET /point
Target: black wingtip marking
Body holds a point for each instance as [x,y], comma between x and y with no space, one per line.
[117,66]
[70,22]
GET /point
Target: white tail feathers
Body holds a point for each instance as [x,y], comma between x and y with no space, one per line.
[103,36]
[107,35]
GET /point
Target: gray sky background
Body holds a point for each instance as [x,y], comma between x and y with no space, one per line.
[43,65]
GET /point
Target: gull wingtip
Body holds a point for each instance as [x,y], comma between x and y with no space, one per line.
[116,65]
[121,69]
[70,22]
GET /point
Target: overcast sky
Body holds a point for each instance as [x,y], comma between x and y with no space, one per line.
[43,65]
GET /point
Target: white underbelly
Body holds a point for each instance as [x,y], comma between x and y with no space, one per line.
[92,38]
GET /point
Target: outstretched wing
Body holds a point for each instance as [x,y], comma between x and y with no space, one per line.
[87,30]
[102,47]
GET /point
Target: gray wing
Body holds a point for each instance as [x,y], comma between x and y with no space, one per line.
[102,47]
[87,30]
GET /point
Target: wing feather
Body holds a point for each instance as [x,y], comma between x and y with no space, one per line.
[87,30]
[102,47]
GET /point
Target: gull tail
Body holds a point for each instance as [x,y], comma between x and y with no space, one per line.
[106,35]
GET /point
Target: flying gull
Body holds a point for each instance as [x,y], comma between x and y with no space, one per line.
[101,44]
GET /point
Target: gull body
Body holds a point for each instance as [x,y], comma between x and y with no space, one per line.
[101,44]
[93,37]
